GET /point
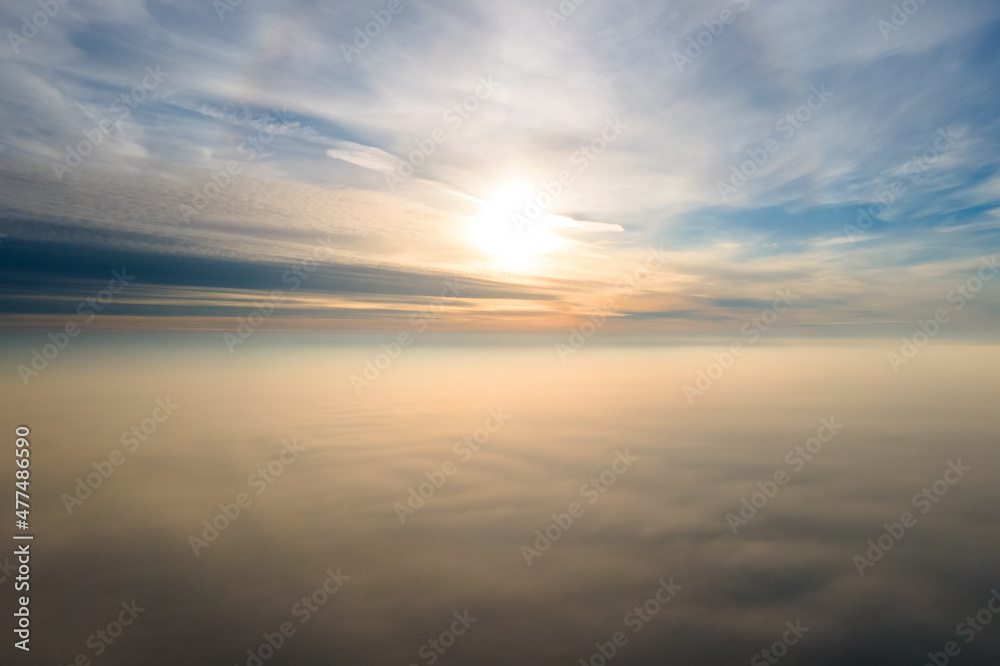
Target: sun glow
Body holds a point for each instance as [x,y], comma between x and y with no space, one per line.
[514,227]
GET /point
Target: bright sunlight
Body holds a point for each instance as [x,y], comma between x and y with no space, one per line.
[514,227]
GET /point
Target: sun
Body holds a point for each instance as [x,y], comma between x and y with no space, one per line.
[515,227]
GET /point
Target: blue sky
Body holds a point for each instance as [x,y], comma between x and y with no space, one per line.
[318,128]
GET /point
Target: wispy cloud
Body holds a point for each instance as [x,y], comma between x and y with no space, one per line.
[364,156]
[335,129]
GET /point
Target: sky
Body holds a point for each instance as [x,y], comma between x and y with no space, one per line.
[659,167]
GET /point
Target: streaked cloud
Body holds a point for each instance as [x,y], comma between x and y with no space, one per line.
[315,136]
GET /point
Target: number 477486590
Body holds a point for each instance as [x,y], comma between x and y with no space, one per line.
[22,453]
